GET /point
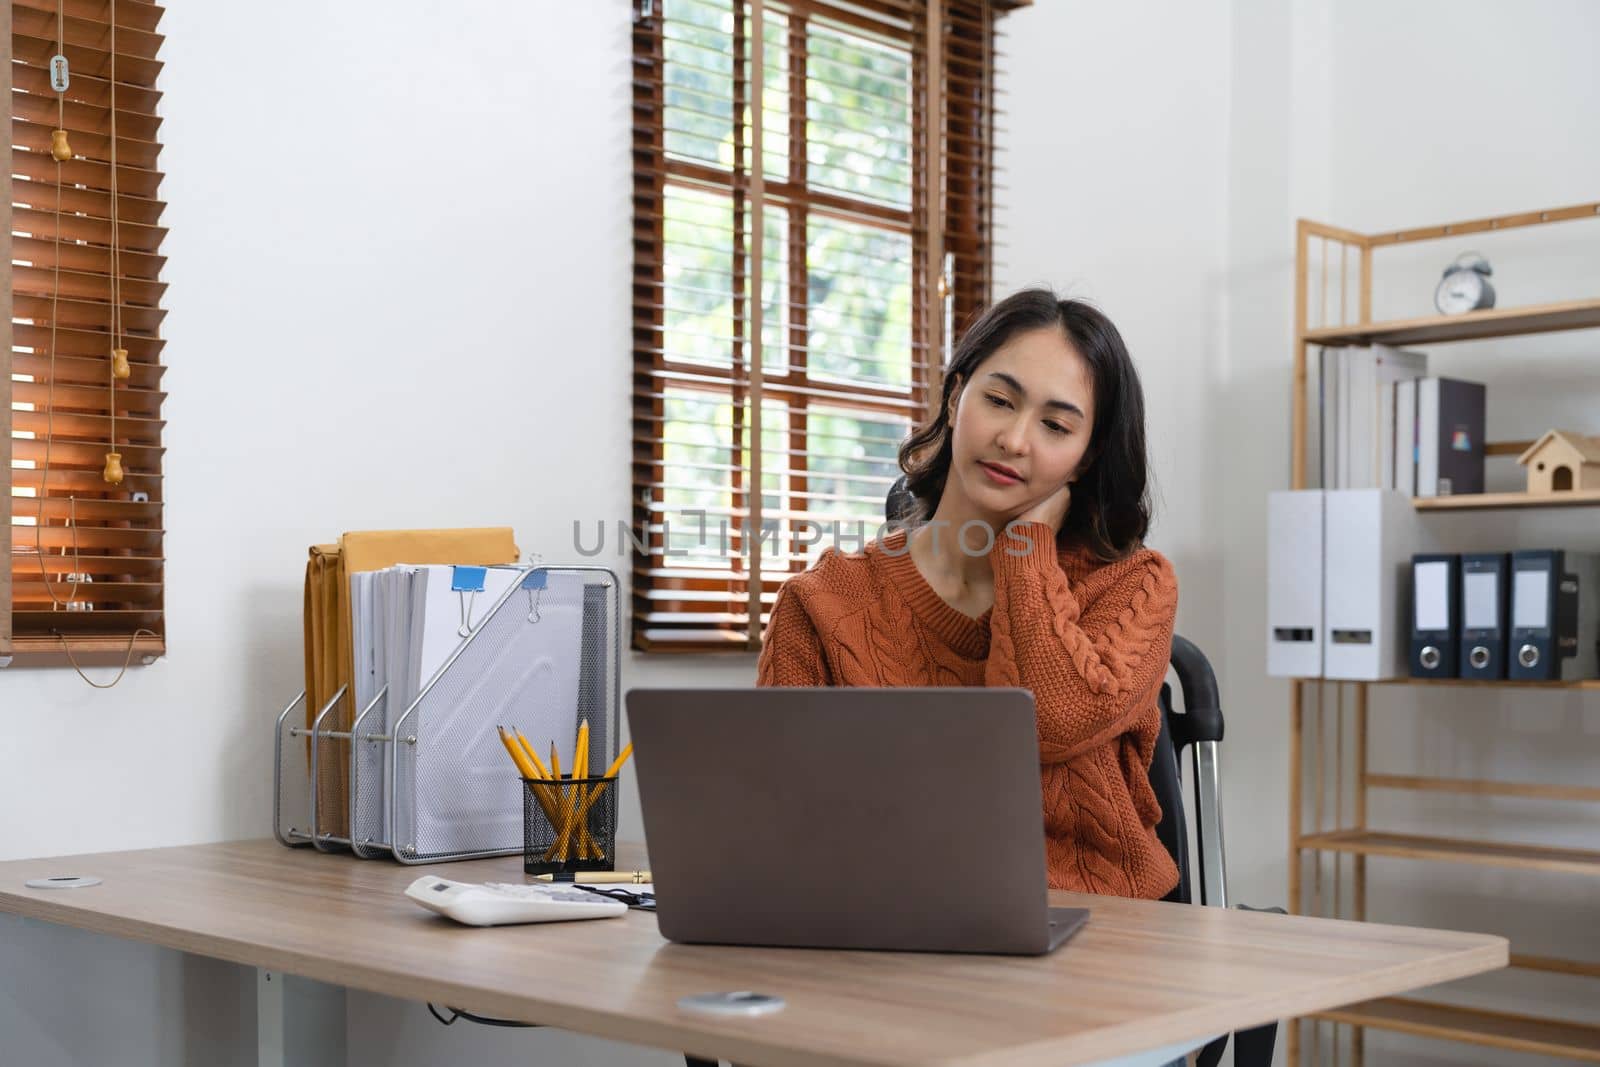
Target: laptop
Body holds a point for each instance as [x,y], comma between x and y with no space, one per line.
[845,818]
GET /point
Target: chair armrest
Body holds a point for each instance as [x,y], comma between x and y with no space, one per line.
[1202,706]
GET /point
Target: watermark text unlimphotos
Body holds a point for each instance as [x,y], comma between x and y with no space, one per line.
[975,537]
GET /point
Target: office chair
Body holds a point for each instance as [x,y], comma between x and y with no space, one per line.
[1197,727]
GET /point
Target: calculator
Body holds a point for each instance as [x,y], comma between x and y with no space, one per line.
[502,903]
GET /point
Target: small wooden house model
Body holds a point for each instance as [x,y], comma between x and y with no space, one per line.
[1561,461]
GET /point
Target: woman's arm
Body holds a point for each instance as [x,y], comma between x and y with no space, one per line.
[1093,668]
[791,651]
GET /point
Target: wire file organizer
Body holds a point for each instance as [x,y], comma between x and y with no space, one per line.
[430,781]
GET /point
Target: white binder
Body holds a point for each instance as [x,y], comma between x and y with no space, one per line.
[1294,583]
[1369,537]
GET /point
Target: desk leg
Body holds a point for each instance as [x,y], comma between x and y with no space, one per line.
[299,1022]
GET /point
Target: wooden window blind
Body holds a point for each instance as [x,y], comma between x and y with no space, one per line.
[85,572]
[857,203]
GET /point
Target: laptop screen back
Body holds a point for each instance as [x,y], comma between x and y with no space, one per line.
[844,818]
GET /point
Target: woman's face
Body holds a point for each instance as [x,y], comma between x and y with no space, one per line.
[1022,424]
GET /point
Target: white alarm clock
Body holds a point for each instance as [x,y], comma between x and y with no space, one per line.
[1465,285]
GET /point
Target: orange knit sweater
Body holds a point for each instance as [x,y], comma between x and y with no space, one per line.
[1091,641]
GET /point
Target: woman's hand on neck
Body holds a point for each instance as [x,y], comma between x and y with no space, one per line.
[955,562]
[1052,510]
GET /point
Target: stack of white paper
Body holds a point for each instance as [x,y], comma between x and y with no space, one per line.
[520,672]
[521,667]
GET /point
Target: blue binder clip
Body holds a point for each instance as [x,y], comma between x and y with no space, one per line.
[534,584]
[468,579]
[466,583]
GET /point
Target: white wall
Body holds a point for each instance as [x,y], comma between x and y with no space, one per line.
[1114,171]
[1115,166]
[1379,116]
[399,297]
[452,226]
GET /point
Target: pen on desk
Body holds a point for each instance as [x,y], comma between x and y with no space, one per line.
[602,877]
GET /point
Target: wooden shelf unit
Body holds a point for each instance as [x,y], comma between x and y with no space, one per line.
[1472,326]
[1353,838]
[1471,683]
[1517,1033]
[1577,498]
[1453,850]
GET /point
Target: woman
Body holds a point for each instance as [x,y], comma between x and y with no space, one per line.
[1027,569]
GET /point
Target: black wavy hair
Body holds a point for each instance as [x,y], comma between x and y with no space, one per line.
[1110,512]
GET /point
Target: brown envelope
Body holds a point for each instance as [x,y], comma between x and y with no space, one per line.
[330,660]
[322,650]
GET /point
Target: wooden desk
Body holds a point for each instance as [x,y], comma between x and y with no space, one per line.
[1141,975]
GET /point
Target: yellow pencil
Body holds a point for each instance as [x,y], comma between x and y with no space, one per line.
[530,773]
[527,746]
[572,799]
[588,803]
[611,771]
[558,850]
[580,769]
[524,768]
[616,764]
[548,797]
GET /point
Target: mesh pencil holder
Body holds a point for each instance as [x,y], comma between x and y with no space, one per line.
[569,827]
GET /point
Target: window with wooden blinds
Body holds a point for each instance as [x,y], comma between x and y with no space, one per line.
[85,574]
[857,202]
